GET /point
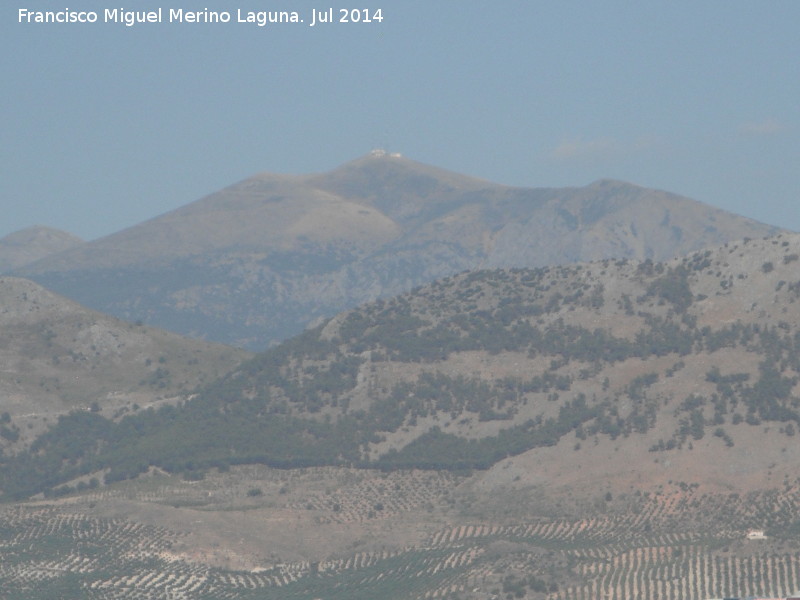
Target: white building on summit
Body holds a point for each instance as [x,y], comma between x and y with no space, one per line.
[756,534]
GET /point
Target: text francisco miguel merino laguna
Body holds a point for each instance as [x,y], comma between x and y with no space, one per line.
[180,15]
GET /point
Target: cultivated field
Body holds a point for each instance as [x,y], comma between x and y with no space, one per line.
[164,538]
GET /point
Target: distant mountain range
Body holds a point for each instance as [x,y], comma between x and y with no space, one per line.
[259,261]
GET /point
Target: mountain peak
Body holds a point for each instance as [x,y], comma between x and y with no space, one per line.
[281,251]
[28,245]
[611,183]
[40,233]
[390,178]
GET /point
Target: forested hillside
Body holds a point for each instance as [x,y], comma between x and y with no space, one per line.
[471,369]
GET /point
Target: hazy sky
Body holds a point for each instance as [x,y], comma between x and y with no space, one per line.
[104,125]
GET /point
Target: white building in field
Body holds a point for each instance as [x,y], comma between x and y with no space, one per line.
[756,534]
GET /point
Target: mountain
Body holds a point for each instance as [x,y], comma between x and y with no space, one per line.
[259,261]
[34,243]
[58,356]
[469,370]
[620,429]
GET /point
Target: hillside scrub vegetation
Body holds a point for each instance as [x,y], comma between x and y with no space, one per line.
[474,368]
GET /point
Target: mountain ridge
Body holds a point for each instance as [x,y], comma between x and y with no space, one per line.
[474,368]
[262,259]
[31,244]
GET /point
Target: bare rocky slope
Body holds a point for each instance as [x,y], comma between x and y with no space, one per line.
[258,261]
